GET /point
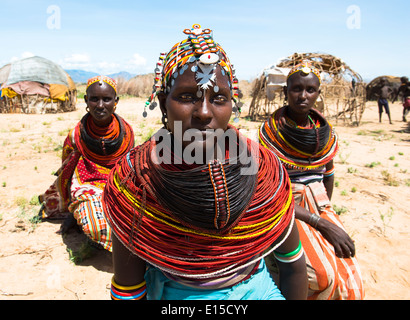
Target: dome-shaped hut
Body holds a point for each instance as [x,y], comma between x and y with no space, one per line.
[36,85]
[343,93]
[373,86]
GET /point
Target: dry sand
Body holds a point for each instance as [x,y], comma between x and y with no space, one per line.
[372,189]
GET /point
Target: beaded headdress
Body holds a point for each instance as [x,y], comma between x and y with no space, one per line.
[102,79]
[305,67]
[200,50]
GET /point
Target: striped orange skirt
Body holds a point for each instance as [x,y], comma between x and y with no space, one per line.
[329,277]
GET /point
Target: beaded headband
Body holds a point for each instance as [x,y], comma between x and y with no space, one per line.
[102,79]
[306,68]
[200,50]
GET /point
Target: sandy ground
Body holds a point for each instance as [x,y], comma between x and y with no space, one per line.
[372,192]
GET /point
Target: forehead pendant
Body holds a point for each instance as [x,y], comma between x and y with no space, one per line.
[204,47]
[201,55]
[306,70]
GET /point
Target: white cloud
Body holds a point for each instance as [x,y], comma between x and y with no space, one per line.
[76,61]
[24,55]
[105,67]
[137,60]
[83,61]
[77,58]
[27,54]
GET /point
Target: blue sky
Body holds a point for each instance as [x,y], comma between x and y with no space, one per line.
[372,37]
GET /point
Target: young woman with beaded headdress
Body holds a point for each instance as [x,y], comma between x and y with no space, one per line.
[306,144]
[90,151]
[192,216]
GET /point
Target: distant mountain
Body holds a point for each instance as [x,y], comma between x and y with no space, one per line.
[122,74]
[81,76]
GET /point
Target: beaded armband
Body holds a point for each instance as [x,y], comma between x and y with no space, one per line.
[136,292]
[329,172]
[291,256]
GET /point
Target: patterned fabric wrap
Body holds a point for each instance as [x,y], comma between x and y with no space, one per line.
[330,277]
[88,212]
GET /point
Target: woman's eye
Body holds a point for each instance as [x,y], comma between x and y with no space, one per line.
[186,97]
[220,99]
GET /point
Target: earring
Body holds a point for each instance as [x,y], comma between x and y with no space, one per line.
[164,120]
[237,109]
[285,101]
[87,109]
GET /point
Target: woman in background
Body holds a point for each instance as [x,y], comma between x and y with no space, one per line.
[90,151]
[306,144]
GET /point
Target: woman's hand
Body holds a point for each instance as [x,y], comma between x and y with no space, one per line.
[343,244]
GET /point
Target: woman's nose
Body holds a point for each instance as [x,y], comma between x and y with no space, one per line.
[203,111]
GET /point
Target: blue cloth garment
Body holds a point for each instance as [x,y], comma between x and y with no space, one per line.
[260,286]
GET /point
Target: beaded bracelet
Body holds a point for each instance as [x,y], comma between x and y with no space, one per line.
[136,292]
[329,172]
[291,256]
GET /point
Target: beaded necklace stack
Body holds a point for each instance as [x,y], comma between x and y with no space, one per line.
[103,145]
[299,148]
[199,223]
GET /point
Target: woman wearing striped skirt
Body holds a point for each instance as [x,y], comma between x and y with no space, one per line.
[306,144]
[90,151]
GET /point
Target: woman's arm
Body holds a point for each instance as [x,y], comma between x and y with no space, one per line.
[329,179]
[293,282]
[129,269]
[343,244]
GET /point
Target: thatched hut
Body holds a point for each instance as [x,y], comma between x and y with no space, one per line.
[36,85]
[373,86]
[343,92]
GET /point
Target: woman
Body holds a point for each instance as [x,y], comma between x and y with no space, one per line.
[90,151]
[189,223]
[306,144]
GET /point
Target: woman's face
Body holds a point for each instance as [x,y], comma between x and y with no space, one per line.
[302,92]
[185,108]
[101,100]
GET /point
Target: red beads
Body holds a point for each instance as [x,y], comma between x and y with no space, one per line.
[218,179]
